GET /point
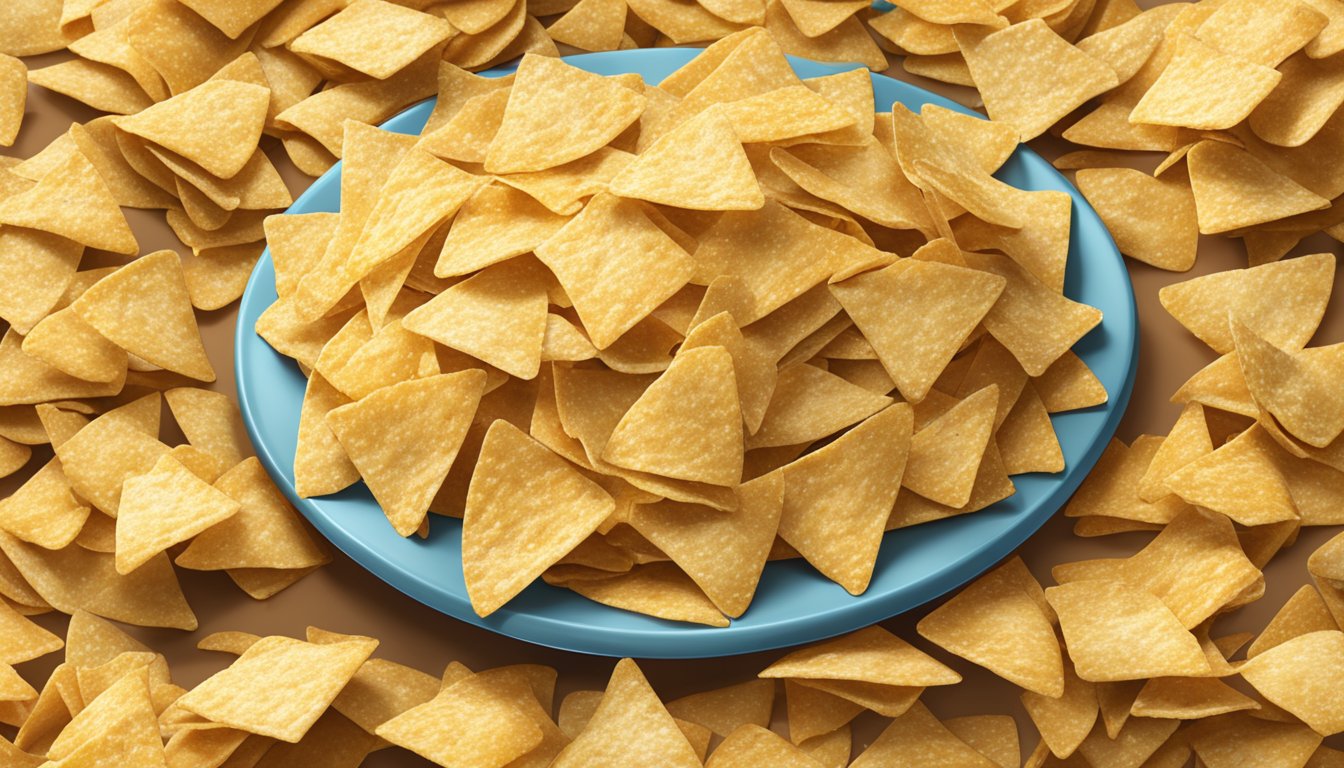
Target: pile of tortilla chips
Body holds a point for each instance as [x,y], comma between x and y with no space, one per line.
[1231,108]
[1234,102]
[99,526]
[1117,664]
[642,338]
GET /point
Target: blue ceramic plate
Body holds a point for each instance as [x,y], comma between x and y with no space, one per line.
[794,604]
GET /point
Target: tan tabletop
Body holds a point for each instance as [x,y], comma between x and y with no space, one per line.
[345,598]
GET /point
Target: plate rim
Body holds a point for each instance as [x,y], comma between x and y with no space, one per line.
[676,639]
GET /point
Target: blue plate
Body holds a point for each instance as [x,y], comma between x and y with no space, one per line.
[794,604]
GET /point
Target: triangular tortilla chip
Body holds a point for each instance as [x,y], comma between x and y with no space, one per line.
[165,506]
[497,223]
[687,425]
[320,464]
[1239,480]
[837,498]
[700,165]
[119,723]
[591,25]
[404,473]
[1031,77]
[809,404]
[1152,219]
[235,112]
[211,422]
[1234,189]
[918,732]
[99,458]
[67,343]
[1283,301]
[375,38]
[865,180]
[1300,676]
[615,264]
[776,254]
[288,683]
[871,655]
[266,532]
[514,528]
[44,510]
[1015,319]
[1303,613]
[72,201]
[1188,440]
[945,454]
[1300,389]
[475,718]
[755,373]
[724,710]
[753,745]
[813,713]
[1118,632]
[498,315]
[1189,698]
[976,623]
[941,305]
[629,725]
[145,309]
[540,129]
[421,193]
[1064,721]
[658,589]
[724,552]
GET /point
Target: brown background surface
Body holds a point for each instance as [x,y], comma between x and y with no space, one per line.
[345,598]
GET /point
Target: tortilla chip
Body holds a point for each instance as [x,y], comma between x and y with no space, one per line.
[497,315]
[777,256]
[497,223]
[591,25]
[1239,480]
[611,294]
[699,164]
[1000,604]
[165,506]
[1189,440]
[539,130]
[97,223]
[1297,388]
[237,109]
[822,521]
[752,745]
[265,533]
[657,589]
[492,582]
[629,722]
[1234,189]
[404,474]
[376,38]
[723,552]
[918,738]
[1009,69]
[948,302]
[37,268]
[301,680]
[1297,674]
[724,710]
[145,309]
[101,86]
[1153,220]
[942,468]
[809,404]
[698,395]
[1064,721]
[1117,632]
